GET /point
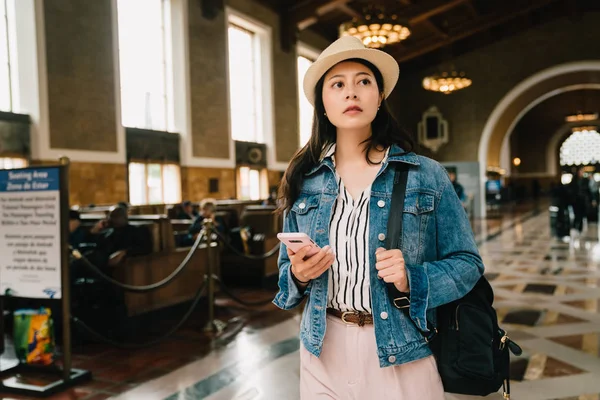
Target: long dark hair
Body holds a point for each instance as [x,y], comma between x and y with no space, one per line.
[385,131]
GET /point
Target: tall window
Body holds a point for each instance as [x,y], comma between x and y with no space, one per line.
[245,81]
[305,108]
[145,64]
[9,93]
[11,162]
[252,183]
[581,148]
[154,183]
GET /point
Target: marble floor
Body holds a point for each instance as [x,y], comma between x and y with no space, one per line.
[546,293]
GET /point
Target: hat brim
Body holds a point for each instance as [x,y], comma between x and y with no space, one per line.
[386,64]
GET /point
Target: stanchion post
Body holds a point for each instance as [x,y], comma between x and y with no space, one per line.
[65,273]
[1,325]
[207,229]
[213,325]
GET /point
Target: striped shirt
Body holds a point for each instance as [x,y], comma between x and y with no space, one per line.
[349,285]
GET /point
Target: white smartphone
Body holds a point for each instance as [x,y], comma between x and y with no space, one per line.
[297,240]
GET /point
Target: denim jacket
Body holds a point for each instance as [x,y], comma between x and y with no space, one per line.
[439,250]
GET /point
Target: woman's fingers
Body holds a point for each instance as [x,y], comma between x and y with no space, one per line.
[308,268]
[382,265]
[323,265]
[393,278]
[316,258]
[299,254]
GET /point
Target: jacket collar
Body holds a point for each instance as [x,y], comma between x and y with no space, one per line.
[394,154]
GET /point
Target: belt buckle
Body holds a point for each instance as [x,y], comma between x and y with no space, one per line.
[344,317]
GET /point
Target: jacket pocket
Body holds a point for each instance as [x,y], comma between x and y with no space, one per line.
[418,203]
[305,209]
[305,203]
[418,209]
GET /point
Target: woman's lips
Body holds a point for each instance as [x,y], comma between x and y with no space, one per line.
[353,110]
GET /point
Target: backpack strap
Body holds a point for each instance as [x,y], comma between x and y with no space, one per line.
[400,299]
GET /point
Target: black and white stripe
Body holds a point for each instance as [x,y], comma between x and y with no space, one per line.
[349,285]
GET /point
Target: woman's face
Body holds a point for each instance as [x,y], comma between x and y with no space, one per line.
[350,95]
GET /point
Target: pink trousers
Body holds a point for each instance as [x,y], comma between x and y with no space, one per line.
[348,369]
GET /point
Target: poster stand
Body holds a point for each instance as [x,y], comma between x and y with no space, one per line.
[22,378]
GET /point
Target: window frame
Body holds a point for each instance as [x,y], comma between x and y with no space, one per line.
[263,76]
[264,34]
[263,182]
[8,11]
[13,157]
[167,67]
[146,163]
[311,53]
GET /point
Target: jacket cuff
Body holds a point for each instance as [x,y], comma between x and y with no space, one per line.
[289,295]
[419,293]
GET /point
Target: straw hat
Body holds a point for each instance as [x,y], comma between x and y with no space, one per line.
[345,48]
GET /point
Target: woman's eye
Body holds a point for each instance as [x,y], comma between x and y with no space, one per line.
[338,85]
[365,81]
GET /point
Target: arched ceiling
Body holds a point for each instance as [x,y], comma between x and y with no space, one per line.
[548,116]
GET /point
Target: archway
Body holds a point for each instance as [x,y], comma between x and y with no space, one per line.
[544,84]
[549,111]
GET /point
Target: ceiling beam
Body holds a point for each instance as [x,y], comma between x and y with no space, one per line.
[468,29]
[309,13]
[435,29]
[420,13]
[350,11]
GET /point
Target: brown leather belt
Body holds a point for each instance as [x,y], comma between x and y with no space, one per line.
[352,317]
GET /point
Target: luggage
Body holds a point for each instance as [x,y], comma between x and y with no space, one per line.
[560,221]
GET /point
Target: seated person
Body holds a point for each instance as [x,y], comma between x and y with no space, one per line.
[207,210]
[272,199]
[124,204]
[116,238]
[187,211]
[77,235]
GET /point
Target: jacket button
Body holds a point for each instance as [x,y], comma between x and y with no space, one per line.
[392,359]
[302,206]
[381,203]
[383,315]
[381,236]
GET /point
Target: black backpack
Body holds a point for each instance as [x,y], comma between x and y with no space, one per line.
[471,350]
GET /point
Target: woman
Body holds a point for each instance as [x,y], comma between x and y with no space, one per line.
[356,343]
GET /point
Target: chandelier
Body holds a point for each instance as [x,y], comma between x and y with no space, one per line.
[376,29]
[446,82]
[581,117]
[584,129]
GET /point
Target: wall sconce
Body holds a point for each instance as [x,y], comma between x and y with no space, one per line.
[433,129]
[516,161]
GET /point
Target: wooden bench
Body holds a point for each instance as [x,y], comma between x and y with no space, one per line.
[151,268]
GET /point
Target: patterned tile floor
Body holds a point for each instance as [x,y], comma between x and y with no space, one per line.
[547,297]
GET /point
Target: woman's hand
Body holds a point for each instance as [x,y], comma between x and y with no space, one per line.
[390,267]
[313,267]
